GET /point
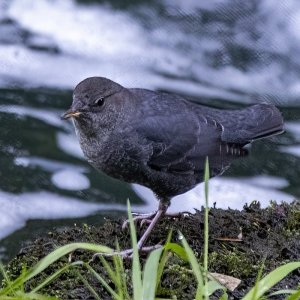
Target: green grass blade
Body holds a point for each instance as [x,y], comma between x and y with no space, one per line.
[224,296]
[51,258]
[24,296]
[284,292]
[125,293]
[178,250]
[103,282]
[136,267]
[258,278]
[213,286]
[118,276]
[161,267]
[89,287]
[294,296]
[109,270]
[270,280]
[206,178]
[22,276]
[53,276]
[40,297]
[195,267]
[7,280]
[17,284]
[163,260]
[206,228]
[150,274]
[62,251]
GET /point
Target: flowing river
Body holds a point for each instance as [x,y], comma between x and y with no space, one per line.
[221,53]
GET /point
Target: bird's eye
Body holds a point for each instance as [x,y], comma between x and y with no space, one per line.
[99,101]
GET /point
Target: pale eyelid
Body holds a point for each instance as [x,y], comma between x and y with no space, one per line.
[99,99]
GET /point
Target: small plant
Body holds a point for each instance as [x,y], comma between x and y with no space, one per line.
[144,282]
[15,288]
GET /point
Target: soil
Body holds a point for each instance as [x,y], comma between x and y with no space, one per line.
[271,235]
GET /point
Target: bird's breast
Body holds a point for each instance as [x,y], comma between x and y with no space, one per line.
[109,156]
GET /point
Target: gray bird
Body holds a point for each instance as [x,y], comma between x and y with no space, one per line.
[161,140]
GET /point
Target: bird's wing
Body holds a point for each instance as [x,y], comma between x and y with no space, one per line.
[180,141]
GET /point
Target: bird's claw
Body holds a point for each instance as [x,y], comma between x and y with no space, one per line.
[145,221]
[125,224]
[146,218]
[128,253]
[142,218]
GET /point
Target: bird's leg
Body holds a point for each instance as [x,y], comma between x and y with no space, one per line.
[162,208]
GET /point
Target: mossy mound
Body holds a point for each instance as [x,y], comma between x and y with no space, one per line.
[271,234]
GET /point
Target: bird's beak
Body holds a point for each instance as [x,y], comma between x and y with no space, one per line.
[70,114]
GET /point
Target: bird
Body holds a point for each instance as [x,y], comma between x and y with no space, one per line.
[161,140]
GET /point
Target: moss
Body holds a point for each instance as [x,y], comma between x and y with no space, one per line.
[293,222]
[177,280]
[233,263]
[266,236]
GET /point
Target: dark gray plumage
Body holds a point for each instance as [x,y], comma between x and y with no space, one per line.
[161,140]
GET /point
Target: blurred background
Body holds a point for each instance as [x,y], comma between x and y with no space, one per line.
[222,53]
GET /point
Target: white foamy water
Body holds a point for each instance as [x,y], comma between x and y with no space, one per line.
[225,193]
[266,181]
[169,54]
[17,209]
[47,164]
[293,150]
[78,37]
[68,143]
[99,40]
[70,180]
[49,116]
[294,128]
[65,176]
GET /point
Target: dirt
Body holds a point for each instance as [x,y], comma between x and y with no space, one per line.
[271,235]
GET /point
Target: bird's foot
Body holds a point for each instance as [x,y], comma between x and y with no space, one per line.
[128,253]
[152,219]
[140,218]
[147,218]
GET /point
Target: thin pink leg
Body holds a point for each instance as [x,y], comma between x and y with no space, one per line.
[146,234]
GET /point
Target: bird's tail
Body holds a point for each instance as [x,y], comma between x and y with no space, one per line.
[269,121]
[252,123]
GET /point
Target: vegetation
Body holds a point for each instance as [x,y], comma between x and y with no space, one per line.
[134,280]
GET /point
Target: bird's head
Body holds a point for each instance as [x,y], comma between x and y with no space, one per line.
[97,102]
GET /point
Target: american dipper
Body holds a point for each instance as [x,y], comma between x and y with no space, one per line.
[161,140]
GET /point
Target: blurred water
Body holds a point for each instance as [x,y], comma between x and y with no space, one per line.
[222,53]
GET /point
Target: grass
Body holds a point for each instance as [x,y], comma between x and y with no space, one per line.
[145,280]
